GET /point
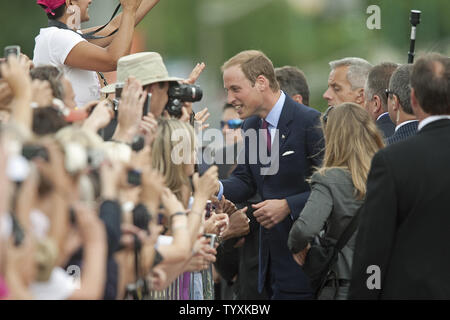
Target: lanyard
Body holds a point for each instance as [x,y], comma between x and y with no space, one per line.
[89,35]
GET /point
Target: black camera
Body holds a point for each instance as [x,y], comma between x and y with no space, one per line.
[134,177]
[179,93]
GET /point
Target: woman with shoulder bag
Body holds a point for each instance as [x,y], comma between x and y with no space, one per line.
[337,191]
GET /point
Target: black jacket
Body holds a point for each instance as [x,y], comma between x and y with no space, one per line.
[405,220]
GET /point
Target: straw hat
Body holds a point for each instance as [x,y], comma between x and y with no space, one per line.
[147,67]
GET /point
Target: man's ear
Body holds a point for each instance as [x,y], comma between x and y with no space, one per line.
[396,104]
[414,103]
[360,96]
[298,98]
[261,83]
[377,104]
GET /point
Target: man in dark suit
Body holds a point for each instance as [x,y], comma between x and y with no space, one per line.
[402,244]
[399,105]
[275,125]
[375,100]
[293,82]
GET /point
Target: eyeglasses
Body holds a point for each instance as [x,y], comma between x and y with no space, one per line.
[325,115]
[232,124]
[388,92]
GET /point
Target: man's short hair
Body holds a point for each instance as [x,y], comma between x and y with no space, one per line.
[400,86]
[292,81]
[253,64]
[430,80]
[378,82]
[357,72]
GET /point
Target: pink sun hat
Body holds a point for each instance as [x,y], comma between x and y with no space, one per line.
[51,5]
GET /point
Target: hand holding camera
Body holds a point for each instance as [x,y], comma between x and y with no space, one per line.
[205,186]
[15,73]
[100,116]
[130,110]
[217,224]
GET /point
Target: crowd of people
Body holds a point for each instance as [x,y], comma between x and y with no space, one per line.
[107,191]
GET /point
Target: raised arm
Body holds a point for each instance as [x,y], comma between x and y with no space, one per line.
[88,56]
[142,11]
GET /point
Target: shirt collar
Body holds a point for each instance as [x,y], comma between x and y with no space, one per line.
[274,115]
[381,115]
[431,119]
[403,123]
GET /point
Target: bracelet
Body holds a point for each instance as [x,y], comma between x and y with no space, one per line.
[179,213]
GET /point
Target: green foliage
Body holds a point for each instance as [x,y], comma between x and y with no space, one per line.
[288,36]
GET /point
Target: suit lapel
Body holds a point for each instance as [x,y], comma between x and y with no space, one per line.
[284,122]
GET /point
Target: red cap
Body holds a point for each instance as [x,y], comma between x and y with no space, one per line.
[51,5]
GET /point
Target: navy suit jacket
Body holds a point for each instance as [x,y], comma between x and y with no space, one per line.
[403,132]
[386,126]
[301,140]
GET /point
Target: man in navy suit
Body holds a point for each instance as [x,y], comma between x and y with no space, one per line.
[399,105]
[375,101]
[288,132]
[402,242]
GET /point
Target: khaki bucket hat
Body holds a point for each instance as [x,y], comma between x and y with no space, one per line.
[147,67]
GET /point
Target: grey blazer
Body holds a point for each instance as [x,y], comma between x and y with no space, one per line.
[329,208]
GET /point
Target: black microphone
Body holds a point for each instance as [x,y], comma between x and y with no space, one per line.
[414,19]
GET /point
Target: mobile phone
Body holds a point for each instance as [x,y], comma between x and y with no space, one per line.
[146,108]
[119,88]
[134,177]
[12,50]
[118,95]
[212,239]
[208,209]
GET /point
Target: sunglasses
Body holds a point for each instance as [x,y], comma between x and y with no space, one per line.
[232,124]
[325,115]
[388,92]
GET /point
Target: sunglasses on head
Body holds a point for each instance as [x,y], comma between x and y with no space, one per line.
[232,124]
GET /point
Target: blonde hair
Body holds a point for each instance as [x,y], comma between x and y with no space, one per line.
[162,148]
[351,140]
[253,64]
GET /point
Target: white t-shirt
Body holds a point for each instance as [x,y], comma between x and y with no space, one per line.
[53,45]
[60,286]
